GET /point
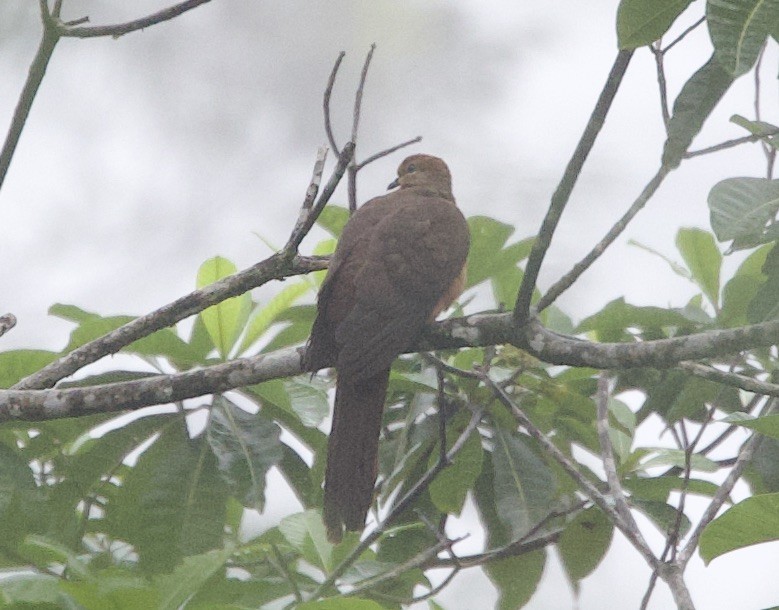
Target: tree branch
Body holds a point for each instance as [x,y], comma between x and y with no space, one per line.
[36,73]
[7,322]
[564,189]
[120,29]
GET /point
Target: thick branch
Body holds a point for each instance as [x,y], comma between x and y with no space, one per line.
[474,331]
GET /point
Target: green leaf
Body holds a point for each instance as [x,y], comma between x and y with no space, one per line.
[752,521]
[765,304]
[113,588]
[489,256]
[39,591]
[676,457]
[265,316]
[741,207]
[19,503]
[766,131]
[641,22]
[738,29]
[663,515]
[611,322]
[524,484]
[43,552]
[333,219]
[303,399]
[584,543]
[516,578]
[767,424]
[176,588]
[246,446]
[226,320]
[697,99]
[449,489]
[306,533]
[19,363]
[657,489]
[703,259]
[172,503]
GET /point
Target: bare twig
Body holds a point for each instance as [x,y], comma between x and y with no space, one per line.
[352,175]
[7,322]
[661,84]
[564,189]
[400,507]
[326,103]
[303,227]
[569,278]
[387,151]
[607,453]
[120,29]
[730,144]
[316,178]
[684,34]
[587,487]
[744,457]
[36,73]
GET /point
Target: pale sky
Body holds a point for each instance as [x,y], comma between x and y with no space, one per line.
[146,155]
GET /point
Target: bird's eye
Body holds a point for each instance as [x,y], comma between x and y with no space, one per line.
[411,168]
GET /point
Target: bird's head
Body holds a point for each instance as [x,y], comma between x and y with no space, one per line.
[424,172]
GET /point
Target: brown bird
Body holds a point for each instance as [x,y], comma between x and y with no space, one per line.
[399,263]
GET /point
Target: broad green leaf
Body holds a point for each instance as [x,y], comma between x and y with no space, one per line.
[266,315]
[172,503]
[657,489]
[176,588]
[524,484]
[664,516]
[741,207]
[767,424]
[306,533]
[333,219]
[449,489]
[584,543]
[298,475]
[611,322]
[489,256]
[738,29]
[19,363]
[20,505]
[694,104]
[752,521]
[306,401]
[703,259]
[226,320]
[763,471]
[516,578]
[765,304]
[737,295]
[39,591]
[246,446]
[43,552]
[676,457]
[300,317]
[113,588]
[641,22]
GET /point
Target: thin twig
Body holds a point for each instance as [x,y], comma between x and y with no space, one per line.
[120,29]
[304,225]
[569,278]
[661,84]
[607,452]
[400,507]
[36,73]
[316,178]
[326,102]
[386,152]
[684,34]
[7,322]
[280,564]
[592,492]
[563,192]
[352,173]
[723,492]
[730,144]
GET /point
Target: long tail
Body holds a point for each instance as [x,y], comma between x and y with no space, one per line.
[352,452]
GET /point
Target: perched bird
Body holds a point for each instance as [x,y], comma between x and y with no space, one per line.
[400,262]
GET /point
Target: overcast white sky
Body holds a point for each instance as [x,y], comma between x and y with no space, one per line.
[144,156]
